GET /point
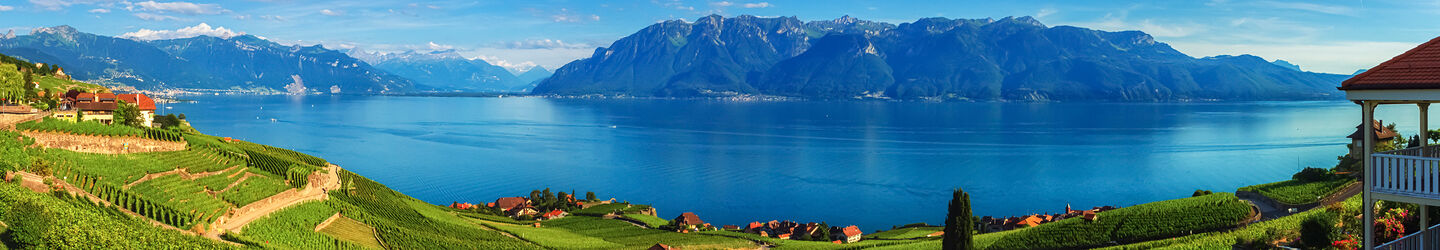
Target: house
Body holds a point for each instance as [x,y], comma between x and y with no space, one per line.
[1381,133]
[731,227]
[523,211]
[659,246]
[848,234]
[689,219]
[554,214]
[756,227]
[508,203]
[1090,215]
[462,206]
[783,236]
[1411,78]
[936,234]
[101,106]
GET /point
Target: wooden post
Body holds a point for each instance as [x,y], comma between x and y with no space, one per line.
[1367,113]
[1424,136]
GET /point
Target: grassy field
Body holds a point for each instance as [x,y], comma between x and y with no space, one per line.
[649,220]
[552,238]
[1295,192]
[801,244]
[353,231]
[905,233]
[1150,221]
[630,236]
[61,85]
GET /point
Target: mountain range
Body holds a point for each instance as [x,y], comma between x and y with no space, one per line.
[1014,58]
[203,62]
[448,70]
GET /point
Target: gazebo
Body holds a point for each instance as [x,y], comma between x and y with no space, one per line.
[1410,175]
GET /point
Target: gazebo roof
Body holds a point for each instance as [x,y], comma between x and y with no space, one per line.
[1418,68]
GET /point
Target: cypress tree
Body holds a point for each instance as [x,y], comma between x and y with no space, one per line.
[958,223]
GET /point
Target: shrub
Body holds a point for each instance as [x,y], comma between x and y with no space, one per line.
[1199,193]
[1319,230]
[1312,174]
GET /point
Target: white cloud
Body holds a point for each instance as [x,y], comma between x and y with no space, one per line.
[187,8]
[1112,22]
[1046,12]
[329,12]
[155,17]
[201,29]
[721,4]
[1342,57]
[436,46]
[274,18]
[51,4]
[1312,7]
[507,64]
[100,11]
[545,44]
[594,17]
[6,8]
[757,5]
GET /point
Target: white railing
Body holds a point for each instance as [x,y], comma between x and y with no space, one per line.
[1432,151]
[1405,174]
[1414,241]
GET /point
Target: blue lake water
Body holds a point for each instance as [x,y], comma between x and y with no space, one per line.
[873,164]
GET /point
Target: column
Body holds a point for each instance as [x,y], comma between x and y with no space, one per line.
[1367,113]
[1424,128]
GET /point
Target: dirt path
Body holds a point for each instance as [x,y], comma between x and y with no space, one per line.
[102,144]
[319,184]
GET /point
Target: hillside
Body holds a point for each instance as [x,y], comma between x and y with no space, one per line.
[931,58]
[445,70]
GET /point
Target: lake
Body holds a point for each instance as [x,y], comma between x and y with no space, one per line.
[872,164]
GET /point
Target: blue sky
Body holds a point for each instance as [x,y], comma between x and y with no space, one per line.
[1321,35]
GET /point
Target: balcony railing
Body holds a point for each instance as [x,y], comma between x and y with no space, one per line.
[1430,238]
[1407,172]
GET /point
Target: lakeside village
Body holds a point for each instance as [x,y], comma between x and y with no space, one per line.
[543,205]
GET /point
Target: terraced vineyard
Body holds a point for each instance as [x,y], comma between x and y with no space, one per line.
[353,231]
[400,224]
[253,189]
[49,124]
[183,195]
[1150,221]
[294,228]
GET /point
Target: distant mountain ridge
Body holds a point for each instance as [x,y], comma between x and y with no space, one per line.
[240,62]
[446,69]
[1014,58]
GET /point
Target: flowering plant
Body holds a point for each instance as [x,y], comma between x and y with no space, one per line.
[1391,224]
[1349,243]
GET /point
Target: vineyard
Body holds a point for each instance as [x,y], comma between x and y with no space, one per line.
[354,231]
[552,238]
[294,228]
[49,124]
[253,189]
[400,225]
[904,233]
[79,224]
[183,195]
[1295,192]
[1148,221]
[634,237]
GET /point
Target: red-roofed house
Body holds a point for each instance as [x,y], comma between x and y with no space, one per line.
[101,106]
[508,203]
[689,219]
[848,234]
[783,236]
[1411,78]
[554,214]
[462,206]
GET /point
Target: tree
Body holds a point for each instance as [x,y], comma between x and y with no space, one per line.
[958,223]
[127,114]
[589,196]
[823,233]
